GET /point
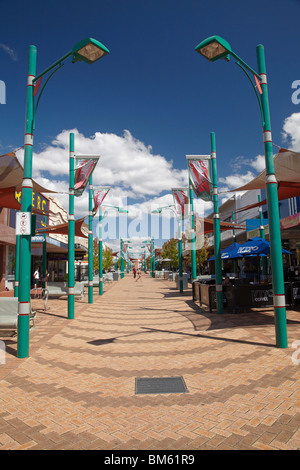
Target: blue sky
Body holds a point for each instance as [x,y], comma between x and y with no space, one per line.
[153,94]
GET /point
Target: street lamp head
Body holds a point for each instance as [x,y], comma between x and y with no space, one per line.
[214,48]
[89,50]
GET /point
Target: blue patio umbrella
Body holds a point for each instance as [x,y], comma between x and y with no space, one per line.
[256,246]
[230,252]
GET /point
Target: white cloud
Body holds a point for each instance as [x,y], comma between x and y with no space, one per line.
[259,163]
[234,181]
[11,52]
[127,165]
[124,161]
[291,131]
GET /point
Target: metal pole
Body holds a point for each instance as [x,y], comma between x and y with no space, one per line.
[262,235]
[90,242]
[101,253]
[24,305]
[44,267]
[71,237]
[193,236]
[235,263]
[217,231]
[17,267]
[180,219]
[122,260]
[273,211]
[153,258]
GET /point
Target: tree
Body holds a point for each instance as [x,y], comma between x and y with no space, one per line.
[169,250]
[107,257]
[202,253]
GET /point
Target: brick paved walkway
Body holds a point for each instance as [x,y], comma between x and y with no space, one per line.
[77,388]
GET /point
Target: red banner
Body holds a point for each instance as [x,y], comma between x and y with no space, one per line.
[200,178]
[99,196]
[180,200]
[84,167]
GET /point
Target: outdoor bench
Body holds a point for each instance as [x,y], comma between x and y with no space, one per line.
[58,289]
[9,314]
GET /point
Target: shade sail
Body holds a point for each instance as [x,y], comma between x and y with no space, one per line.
[63,229]
[287,171]
[11,177]
[285,190]
[12,173]
[207,226]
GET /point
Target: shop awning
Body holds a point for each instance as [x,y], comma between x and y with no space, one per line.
[81,229]
[7,198]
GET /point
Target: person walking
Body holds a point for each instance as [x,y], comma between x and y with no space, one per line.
[139,275]
[134,273]
[36,279]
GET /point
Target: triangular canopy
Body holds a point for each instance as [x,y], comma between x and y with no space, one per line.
[208,226]
[11,177]
[64,229]
[287,172]
[12,173]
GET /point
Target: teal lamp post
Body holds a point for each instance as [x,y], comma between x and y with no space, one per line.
[180,221]
[215,48]
[262,235]
[193,233]
[90,243]
[217,230]
[101,216]
[71,234]
[100,246]
[89,50]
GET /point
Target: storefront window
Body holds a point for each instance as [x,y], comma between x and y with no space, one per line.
[11,262]
[57,270]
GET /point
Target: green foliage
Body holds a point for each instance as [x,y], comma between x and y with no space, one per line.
[170,250]
[107,257]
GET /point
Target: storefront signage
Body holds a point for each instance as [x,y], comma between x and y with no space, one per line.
[41,203]
[290,221]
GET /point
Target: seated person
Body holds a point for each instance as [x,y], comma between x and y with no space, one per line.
[226,282]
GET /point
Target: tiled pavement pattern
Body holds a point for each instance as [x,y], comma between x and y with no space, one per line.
[77,388]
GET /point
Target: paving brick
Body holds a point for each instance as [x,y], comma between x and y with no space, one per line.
[77,388]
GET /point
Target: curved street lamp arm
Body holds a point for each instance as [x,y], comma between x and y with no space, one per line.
[38,100]
[255,91]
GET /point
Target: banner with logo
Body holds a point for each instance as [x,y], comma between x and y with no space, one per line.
[84,167]
[99,195]
[181,201]
[199,173]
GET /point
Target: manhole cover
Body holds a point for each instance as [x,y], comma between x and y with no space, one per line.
[160,385]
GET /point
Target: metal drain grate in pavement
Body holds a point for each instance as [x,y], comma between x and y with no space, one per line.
[160,385]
